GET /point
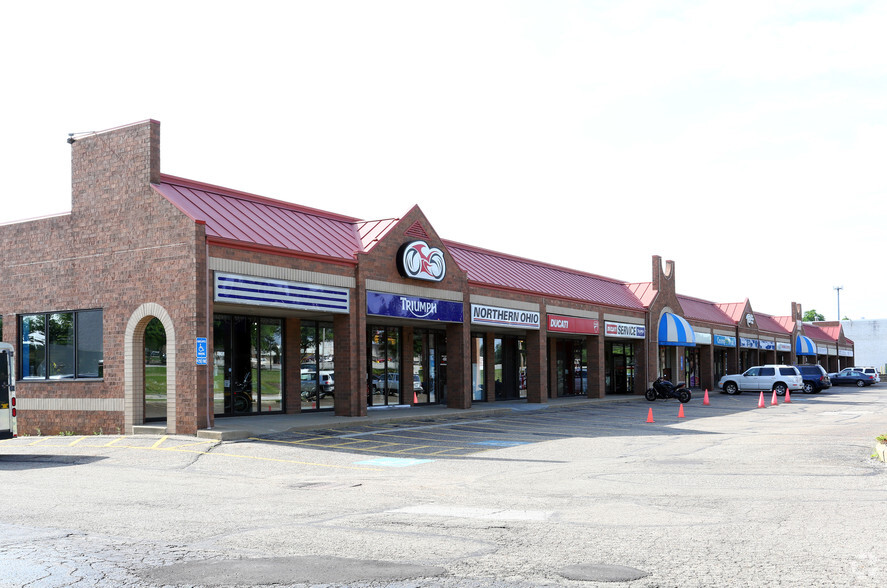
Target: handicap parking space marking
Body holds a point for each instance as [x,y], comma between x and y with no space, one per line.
[393,462]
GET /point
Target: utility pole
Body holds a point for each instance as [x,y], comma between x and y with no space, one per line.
[838,290]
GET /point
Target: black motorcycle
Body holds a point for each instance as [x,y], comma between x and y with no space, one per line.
[662,388]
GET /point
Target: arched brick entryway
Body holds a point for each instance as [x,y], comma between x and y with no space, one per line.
[134,369]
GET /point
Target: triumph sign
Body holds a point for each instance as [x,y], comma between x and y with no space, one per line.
[413,307]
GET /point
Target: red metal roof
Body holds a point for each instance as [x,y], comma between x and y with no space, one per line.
[703,310]
[644,292]
[240,217]
[371,232]
[817,334]
[515,273]
[733,309]
[770,324]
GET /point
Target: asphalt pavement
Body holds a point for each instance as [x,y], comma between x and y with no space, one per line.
[572,493]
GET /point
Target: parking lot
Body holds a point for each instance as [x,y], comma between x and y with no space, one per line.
[728,494]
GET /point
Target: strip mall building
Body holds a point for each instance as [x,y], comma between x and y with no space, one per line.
[163,299]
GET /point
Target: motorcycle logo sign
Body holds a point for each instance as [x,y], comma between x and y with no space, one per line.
[419,261]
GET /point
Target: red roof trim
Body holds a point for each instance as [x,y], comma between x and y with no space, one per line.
[245,246]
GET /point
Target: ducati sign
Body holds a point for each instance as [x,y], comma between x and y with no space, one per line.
[419,261]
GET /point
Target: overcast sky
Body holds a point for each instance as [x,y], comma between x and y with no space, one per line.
[747,141]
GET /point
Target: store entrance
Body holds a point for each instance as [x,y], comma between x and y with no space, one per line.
[429,366]
[383,367]
[511,368]
[572,368]
[247,365]
[620,368]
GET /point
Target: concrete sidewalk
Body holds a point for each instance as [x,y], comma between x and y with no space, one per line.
[233,428]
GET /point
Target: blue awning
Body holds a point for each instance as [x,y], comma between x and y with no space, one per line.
[674,330]
[804,346]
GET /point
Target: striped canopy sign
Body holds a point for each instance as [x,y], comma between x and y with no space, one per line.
[674,330]
[280,294]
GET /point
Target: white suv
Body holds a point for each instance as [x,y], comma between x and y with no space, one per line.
[778,378]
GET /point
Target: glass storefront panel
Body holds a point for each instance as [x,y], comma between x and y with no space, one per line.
[383,350]
[247,365]
[270,358]
[510,365]
[478,372]
[318,367]
[620,368]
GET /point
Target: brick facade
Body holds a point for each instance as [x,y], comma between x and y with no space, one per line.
[128,250]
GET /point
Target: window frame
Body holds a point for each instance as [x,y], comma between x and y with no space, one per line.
[75,346]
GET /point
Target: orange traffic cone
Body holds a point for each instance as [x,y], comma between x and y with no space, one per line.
[773,401]
[650,416]
[761,402]
[415,398]
[681,412]
[705,399]
[788,397]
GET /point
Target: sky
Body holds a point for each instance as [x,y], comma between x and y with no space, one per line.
[746,141]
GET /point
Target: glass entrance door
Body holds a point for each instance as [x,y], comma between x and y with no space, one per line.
[247,365]
[510,363]
[429,350]
[383,367]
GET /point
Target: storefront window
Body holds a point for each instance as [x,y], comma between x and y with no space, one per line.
[428,351]
[691,367]
[61,345]
[383,349]
[478,373]
[620,368]
[317,368]
[247,365]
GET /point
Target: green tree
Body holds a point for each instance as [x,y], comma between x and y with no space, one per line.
[811,315]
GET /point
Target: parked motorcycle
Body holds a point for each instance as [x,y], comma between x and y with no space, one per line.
[239,400]
[664,389]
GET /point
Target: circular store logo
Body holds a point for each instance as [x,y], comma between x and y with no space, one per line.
[419,261]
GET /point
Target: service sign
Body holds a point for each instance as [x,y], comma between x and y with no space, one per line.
[625,330]
[413,307]
[504,317]
[571,324]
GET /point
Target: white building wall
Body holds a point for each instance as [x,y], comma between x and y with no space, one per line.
[870,342]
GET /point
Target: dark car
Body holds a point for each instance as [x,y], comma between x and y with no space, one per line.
[853,377]
[815,378]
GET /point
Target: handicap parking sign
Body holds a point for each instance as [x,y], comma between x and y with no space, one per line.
[201,350]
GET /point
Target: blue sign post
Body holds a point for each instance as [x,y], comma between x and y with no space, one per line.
[201,351]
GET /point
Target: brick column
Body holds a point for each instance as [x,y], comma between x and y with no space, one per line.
[707,367]
[349,334]
[537,366]
[594,345]
[552,367]
[458,365]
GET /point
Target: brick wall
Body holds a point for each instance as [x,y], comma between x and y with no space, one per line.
[121,246]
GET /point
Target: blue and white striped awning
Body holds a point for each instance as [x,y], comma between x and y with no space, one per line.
[804,346]
[674,330]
